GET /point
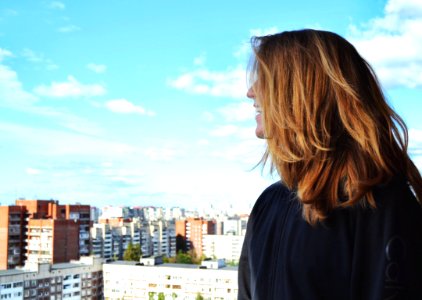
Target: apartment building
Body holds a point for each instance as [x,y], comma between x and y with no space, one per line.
[12,236]
[101,240]
[34,229]
[227,247]
[163,238]
[52,240]
[81,279]
[131,280]
[191,230]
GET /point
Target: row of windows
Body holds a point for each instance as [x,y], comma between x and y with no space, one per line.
[9,285]
[11,296]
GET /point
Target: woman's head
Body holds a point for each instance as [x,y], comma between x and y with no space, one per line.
[331,135]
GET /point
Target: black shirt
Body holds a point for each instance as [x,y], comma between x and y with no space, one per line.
[357,253]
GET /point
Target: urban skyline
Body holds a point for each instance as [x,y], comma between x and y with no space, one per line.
[141,103]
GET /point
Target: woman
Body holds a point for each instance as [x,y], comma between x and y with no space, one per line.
[345,220]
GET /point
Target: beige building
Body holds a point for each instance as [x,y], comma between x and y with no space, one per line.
[131,280]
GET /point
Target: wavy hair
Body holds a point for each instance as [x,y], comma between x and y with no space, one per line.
[330,133]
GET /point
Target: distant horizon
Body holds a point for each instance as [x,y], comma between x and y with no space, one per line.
[143,103]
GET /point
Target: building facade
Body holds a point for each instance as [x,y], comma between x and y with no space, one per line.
[12,236]
[227,247]
[190,232]
[130,280]
[82,279]
[44,230]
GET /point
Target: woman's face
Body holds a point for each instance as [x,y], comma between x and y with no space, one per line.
[259,131]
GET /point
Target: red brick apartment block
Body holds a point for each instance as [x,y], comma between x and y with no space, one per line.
[43,230]
[192,231]
[12,236]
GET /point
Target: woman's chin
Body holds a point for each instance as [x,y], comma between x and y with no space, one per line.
[259,132]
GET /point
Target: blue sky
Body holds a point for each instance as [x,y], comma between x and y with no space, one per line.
[143,102]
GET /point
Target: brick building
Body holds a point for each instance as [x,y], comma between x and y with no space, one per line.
[189,233]
[43,230]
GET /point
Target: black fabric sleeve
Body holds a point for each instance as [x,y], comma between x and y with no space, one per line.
[387,254]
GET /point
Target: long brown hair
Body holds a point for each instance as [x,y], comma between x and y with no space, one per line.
[331,134]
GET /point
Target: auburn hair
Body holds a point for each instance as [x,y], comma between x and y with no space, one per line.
[330,133]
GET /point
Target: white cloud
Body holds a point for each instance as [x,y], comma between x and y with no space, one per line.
[236,112]
[12,95]
[124,106]
[11,91]
[393,43]
[266,31]
[32,171]
[207,116]
[70,88]
[223,131]
[34,57]
[230,83]
[57,5]
[59,143]
[69,28]
[161,153]
[4,53]
[200,60]
[96,68]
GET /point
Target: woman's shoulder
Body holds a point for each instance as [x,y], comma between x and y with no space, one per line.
[274,196]
[395,192]
[394,200]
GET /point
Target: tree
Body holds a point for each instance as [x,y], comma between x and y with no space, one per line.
[199,297]
[183,258]
[133,252]
[151,295]
[161,296]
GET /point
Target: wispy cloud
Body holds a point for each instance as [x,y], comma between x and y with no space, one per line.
[226,130]
[4,53]
[237,112]
[244,49]
[11,92]
[96,68]
[230,83]
[68,28]
[393,43]
[32,171]
[34,57]
[199,60]
[70,88]
[53,142]
[57,5]
[124,106]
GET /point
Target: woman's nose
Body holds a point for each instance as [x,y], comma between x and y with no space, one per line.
[250,94]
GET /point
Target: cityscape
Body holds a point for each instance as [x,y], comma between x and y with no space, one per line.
[129,158]
[74,251]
